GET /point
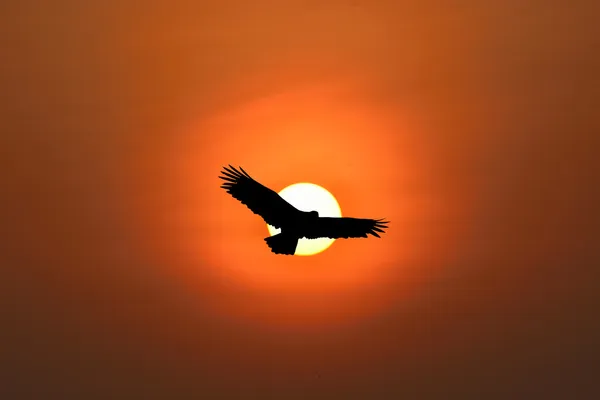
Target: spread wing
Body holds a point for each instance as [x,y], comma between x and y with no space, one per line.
[336,228]
[258,198]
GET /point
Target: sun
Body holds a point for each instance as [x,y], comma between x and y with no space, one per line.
[310,197]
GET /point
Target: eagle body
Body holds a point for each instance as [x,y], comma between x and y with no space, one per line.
[297,227]
[300,223]
[294,224]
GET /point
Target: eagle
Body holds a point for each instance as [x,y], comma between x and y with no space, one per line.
[294,224]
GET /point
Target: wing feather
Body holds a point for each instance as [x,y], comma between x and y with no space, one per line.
[258,198]
[344,228]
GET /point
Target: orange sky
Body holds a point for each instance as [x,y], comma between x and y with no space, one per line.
[472,126]
[333,134]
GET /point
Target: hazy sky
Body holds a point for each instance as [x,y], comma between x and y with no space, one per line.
[95,109]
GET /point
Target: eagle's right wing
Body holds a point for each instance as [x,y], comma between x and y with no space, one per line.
[345,227]
[258,198]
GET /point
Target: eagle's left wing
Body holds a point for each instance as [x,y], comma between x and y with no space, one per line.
[336,228]
[258,198]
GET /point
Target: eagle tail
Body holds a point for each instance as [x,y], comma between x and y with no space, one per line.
[282,243]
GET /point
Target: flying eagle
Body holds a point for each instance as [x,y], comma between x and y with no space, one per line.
[294,224]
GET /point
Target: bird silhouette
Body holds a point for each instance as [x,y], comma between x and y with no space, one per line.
[294,224]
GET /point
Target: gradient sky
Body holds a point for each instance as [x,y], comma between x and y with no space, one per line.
[473,125]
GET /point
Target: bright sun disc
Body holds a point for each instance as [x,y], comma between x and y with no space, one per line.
[310,197]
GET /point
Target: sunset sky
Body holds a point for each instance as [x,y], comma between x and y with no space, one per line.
[127,273]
